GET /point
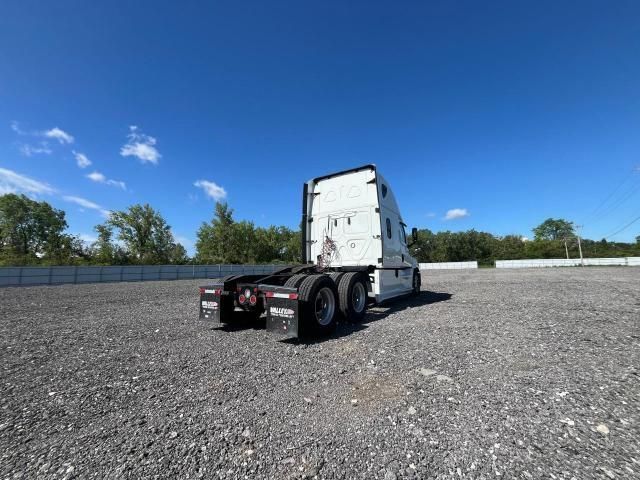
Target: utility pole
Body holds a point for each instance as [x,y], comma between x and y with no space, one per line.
[578,227]
[566,250]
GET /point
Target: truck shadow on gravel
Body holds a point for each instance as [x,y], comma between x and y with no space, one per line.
[375,314]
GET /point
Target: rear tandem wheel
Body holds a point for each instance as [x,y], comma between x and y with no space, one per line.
[352,294]
[318,304]
[295,281]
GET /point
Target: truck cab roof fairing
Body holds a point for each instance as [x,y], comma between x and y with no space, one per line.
[370,166]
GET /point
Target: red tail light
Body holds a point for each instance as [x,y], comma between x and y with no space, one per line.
[242,299]
[201,291]
[253,299]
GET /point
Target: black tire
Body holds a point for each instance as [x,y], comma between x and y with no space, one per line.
[295,281]
[352,293]
[336,276]
[318,298]
[416,283]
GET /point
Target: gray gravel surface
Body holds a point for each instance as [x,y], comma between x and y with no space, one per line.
[488,374]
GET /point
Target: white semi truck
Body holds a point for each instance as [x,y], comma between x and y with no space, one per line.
[354,253]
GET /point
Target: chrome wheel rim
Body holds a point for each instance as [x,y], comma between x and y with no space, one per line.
[325,306]
[358,297]
[415,283]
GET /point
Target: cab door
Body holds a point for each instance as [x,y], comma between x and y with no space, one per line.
[408,261]
[395,278]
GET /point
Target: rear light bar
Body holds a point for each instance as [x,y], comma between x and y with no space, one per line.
[216,291]
[290,296]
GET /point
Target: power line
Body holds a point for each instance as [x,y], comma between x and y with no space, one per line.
[600,212]
[615,190]
[625,195]
[623,228]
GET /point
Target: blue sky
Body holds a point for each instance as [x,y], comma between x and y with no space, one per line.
[504,112]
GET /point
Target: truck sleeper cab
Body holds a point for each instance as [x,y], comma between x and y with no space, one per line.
[354,253]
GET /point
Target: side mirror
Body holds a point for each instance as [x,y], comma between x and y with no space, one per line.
[414,237]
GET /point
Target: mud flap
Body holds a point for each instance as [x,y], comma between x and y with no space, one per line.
[282,307]
[213,302]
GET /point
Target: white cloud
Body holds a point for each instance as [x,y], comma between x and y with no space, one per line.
[184,241]
[81,159]
[456,213]
[84,203]
[12,182]
[60,135]
[87,238]
[29,150]
[15,126]
[140,146]
[97,177]
[100,178]
[430,215]
[43,146]
[212,189]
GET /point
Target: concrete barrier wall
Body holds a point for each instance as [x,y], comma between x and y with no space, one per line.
[24,276]
[448,265]
[563,262]
[633,261]
[16,276]
[605,261]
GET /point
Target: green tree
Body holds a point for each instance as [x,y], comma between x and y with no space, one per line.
[104,251]
[69,250]
[545,249]
[638,239]
[554,229]
[145,234]
[471,245]
[292,252]
[33,232]
[422,248]
[242,243]
[223,240]
[214,238]
[277,244]
[510,247]
[178,255]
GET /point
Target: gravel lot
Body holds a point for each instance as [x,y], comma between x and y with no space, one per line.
[489,373]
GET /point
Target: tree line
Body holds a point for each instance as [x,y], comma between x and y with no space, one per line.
[554,238]
[35,233]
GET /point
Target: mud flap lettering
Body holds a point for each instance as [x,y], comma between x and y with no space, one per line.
[282,315]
